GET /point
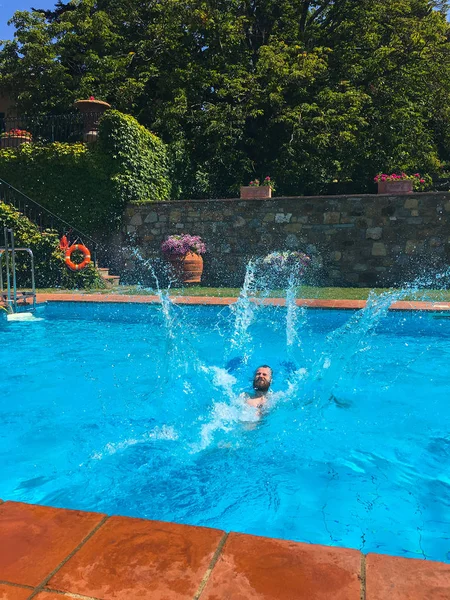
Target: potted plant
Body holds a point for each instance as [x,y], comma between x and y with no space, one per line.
[14,137]
[184,253]
[92,109]
[398,184]
[283,261]
[256,190]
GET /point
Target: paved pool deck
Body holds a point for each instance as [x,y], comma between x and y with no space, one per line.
[48,553]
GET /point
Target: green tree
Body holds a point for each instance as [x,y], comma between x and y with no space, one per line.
[307,92]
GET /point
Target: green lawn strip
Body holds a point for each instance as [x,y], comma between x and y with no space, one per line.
[327,293]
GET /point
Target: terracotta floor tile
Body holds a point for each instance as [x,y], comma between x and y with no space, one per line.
[395,578]
[257,568]
[52,596]
[35,539]
[132,558]
[10,592]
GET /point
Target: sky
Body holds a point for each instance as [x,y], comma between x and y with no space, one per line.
[9,7]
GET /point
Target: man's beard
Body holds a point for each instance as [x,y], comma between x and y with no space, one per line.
[260,385]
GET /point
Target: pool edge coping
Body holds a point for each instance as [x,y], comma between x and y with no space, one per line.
[317,303]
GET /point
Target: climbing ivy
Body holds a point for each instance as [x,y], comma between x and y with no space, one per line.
[139,158]
[89,185]
[50,269]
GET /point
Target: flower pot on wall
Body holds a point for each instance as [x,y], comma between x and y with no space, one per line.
[255,192]
[92,110]
[13,141]
[188,268]
[404,186]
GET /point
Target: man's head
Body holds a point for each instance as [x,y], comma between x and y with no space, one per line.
[262,378]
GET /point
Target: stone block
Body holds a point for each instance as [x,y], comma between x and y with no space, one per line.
[359,267]
[283,218]
[374,233]
[336,256]
[352,277]
[238,221]
[331,218]
[379,249]
[152,217]
[292,241]
[411,203]
[136,219]
[269,218]
[293,227]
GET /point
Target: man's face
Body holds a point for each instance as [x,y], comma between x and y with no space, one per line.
[262,379]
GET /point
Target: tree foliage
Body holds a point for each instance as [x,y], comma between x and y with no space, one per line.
[306,91]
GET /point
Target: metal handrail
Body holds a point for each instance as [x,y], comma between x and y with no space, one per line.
[41,216]
[12,305]
[33,282]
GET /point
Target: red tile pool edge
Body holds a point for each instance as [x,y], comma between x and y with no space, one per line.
[215,301]
[48,552]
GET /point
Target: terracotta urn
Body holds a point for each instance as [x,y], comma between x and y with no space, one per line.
[92,110]
[255,192]
[402,186]
[13,141]
[188,268]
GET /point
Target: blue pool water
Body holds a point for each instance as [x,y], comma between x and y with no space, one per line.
[130,409]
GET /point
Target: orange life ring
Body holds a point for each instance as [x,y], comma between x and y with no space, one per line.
[86,260]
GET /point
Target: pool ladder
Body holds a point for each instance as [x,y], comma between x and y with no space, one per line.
[9,297]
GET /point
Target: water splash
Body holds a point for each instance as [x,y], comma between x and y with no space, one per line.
[311,379]
[244,312]
[292,335]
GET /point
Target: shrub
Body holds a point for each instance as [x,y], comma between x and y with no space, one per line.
[50,268]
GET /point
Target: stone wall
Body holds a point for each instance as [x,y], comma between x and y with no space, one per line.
[368,240]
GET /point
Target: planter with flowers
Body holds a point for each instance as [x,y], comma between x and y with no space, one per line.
[92,109]
[258,191]
[283,269]
[398,184]
[184,252]
[14,137]
[282,261]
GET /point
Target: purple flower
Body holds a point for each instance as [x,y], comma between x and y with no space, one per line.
[179,245]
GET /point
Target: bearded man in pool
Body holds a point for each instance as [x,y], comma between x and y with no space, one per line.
[261,384]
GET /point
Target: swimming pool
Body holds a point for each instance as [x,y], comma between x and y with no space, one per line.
[136,410]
